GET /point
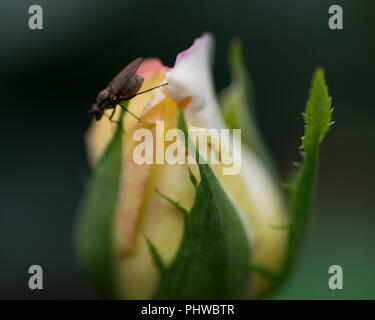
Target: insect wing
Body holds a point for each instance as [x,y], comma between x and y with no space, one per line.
[125,74]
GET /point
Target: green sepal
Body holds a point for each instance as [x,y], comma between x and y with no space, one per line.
[192,177]
[172,202]
[238,104]
[317,119]
[155,255]
[212,260]
[262,270]
[93,227]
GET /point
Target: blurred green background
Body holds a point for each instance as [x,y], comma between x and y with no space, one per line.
[49,79]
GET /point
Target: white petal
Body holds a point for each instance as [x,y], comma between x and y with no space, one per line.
[191,77]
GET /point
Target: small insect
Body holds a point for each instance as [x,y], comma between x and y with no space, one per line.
[123,87]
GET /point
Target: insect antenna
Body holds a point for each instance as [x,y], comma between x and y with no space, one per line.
[126,109]
[162,85]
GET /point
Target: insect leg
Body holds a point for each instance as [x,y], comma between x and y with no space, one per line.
[112,114]
[126,109]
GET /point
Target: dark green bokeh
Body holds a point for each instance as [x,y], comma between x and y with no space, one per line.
[49,79]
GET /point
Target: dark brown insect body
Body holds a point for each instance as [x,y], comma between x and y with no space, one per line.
[123,87]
